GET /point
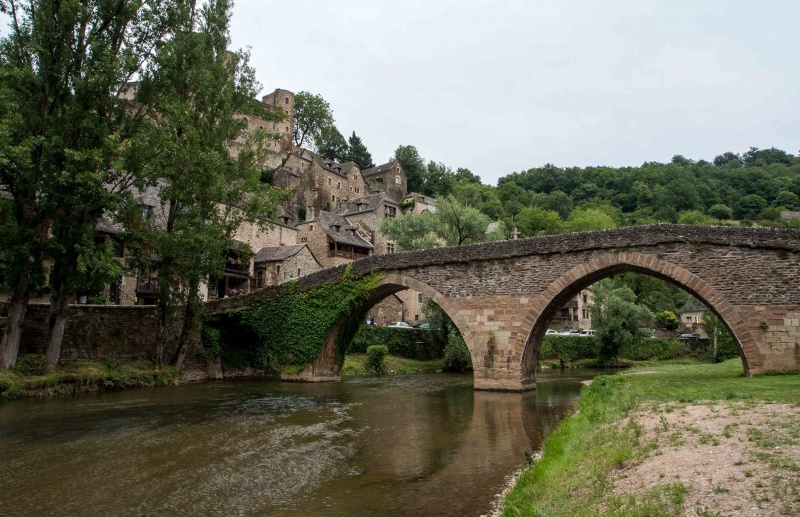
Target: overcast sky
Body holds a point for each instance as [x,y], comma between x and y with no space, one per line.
[502,86]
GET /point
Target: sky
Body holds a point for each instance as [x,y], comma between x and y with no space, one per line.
[503,86]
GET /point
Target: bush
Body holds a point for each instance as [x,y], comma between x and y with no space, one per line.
[375,357]
[409,343]
[32,364]
[652,349]
[456,354]
[569,348]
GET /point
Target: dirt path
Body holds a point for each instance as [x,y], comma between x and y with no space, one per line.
[720,458]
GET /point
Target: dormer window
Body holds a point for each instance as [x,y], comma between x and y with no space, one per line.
[285,220]
[351,231]
[389,211]
[335,228]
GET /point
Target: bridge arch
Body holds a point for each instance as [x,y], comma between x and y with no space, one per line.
[548,302]
[327,366]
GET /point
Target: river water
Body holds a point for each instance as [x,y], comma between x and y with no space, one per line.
[390,445]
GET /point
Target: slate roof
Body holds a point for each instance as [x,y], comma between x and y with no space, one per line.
[422,198]
[379,169]
[369,203]
[277,253]
[326,220]
[693,305]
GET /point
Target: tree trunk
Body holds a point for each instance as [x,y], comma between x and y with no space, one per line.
[189,328]
[9,346]
[59,304]
[716,346]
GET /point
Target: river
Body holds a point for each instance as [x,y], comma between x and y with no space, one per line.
[390,445]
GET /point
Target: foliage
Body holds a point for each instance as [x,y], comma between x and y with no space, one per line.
[532,221]
[648,348]
[32,364]
[290,329]
[460,224]
[694,217]
[197,91]
[456,354]
[720,211]
[375,358]
[331,144]
[569,348]
[441,324]
[413,165]
[356,364]
[313,122]
[357,152]
[666,319]
[616,318]
[211,341]
[587,219]
[410,343]
[412,231]
[66,133]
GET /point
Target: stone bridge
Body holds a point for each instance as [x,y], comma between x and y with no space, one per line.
[502,295]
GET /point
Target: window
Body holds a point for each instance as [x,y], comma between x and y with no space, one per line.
[389,211]
[303,239]
[335,227]
[298,272]
[389,247]
[260,279]
[277,271]
[286,100]
[333,198]
[419,297]
[416,317]
[146,212]
[311,227]
[309,213]
[355,177]
[330,182]
[397,179]
[351,189]
[339,185]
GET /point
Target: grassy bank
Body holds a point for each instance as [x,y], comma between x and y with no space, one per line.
[356,364]
[83,376]
[625,420]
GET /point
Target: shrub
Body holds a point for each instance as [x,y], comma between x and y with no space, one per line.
[31,364]
[652,349]
[375,357]
[456,354]
[410,343]
[569,348]
[211,339]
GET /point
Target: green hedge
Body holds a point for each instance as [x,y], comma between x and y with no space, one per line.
[572,348]
[409,343]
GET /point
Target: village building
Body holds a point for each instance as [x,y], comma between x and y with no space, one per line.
[275,265]
[575,313]
[418,203]
[333,240]
[692,318]
[389,178]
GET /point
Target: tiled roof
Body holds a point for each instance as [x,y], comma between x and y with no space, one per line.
[368,203]
[277,253]
[379,169]
[327,220]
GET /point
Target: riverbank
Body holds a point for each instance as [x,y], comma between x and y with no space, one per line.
[356,364]
[671,440]
[86,376]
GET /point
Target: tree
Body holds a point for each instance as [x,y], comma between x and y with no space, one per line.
[467,176]
[728,159]
[413,165]
[750,206]
[357,152]
[532,221]
[438,180]
[313,120]
[65,129]
[460,224]
[788,200]
[720,212]
[587,219]
[197,91]
[756,157]
[694,217]
[616,319]
[332,144]
[412,231]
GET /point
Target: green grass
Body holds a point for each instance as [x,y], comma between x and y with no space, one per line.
[84,376]
[579,458]
[356,364]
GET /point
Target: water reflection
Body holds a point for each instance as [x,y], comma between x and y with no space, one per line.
[420,445]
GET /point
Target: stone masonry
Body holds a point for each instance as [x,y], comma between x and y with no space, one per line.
[502,295]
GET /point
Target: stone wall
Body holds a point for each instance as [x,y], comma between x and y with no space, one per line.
[97,332]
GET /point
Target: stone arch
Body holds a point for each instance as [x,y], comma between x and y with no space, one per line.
[326,368]
[546,303]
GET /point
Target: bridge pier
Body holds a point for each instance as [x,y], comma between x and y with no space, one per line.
[324,369]
[497,328]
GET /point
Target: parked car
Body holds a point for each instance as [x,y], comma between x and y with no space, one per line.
[399,325]
[573,332]
[424,326]
[587,332]
[551,332]
[687,336]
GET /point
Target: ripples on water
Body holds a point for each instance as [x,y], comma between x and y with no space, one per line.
[425,444]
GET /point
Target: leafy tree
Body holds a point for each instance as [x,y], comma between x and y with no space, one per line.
[756,157]
[313,120]
[196,90]
[694,217]
[616,319]
[413,165]
[728,159]
[467,176]
[482,197]
[438,180]
[788,200]
[532,221]
[332,144]
[750,206]
[64,128]
[587,219]
[720,212]
[556,201]
[357,152]
[412,231]
[460,224]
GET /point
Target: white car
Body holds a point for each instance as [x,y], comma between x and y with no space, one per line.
[399,325]
[551,332]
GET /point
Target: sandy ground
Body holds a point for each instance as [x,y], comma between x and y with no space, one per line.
[733,458]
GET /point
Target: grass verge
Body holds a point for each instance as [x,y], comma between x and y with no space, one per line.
[81,376]
[356,364]
[580,458]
